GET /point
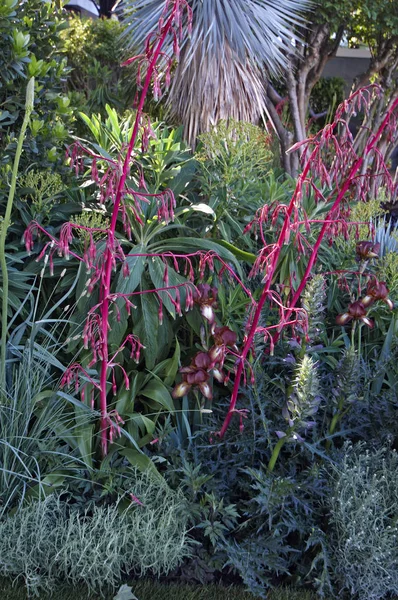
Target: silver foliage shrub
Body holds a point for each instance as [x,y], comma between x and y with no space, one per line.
[364,517]
[48,541]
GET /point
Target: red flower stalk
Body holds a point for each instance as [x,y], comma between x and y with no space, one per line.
[113,186]
[344,174]
[154,52]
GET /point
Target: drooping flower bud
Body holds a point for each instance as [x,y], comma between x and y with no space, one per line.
[377,290]
[367,250]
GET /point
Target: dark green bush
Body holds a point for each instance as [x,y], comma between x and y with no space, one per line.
[30,46]
[94,54]
[327,94]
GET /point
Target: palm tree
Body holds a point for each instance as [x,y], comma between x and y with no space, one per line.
[221,69]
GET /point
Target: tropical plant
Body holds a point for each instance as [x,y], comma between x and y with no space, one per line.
[132,186]
[220,75]
[339,182]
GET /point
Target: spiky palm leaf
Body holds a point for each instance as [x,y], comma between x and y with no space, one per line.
[219,75]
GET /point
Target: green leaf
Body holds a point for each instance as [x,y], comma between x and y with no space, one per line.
[384,355]
[156,273]
[239,254]
[126,398]
[157,391]
[141,461]
[84,437]
[173,365]
[186,245]
[147,327]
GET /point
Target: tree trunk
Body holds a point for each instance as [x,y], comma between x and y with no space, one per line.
[305,71]
[105,7]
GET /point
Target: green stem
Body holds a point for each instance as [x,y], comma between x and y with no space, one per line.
[334,422]
[278,447]
[5,225]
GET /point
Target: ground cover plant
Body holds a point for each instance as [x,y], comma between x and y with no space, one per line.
[199,335]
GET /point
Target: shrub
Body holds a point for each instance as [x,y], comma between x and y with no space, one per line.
[50,541]
[327,94]
[30,47]
[94,54]
[364,516]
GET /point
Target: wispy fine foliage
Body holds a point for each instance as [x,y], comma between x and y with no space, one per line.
[50,541]
[364,508]
[220,72]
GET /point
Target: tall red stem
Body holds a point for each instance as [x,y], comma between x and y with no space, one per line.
[264,295]
[253,328]
[108,261]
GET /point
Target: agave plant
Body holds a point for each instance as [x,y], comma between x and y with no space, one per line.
[220,72]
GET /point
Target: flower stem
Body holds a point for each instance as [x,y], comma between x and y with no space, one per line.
[274,457]
[109,252]
[313,257]
[5,225]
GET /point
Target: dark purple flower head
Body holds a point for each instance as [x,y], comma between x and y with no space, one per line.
[356,312]
[224,336]
[377,290]
[367,250]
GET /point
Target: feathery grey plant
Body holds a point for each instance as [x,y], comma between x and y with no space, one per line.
[304,402]
[49,541]
[364,517]
[219,75]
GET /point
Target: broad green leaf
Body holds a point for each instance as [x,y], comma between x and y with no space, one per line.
[156,273]
[126,398]
[158,392]
[173,365]
[84,437]
[141,461]
[239,254]
[146,328]
[165,338]
[384,355]
[184,245]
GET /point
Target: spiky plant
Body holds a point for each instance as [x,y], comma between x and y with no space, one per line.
[314,303]
[220,73]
